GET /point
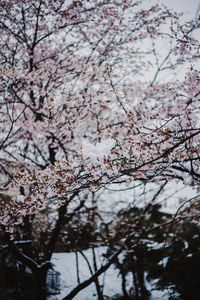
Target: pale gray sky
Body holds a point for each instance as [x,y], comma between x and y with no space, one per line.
[188,7]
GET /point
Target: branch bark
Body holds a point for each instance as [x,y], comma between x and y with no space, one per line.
[57,229]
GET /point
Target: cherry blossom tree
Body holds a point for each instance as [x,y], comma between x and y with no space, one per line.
[87,99]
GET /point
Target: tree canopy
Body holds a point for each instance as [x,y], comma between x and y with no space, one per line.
[92,93]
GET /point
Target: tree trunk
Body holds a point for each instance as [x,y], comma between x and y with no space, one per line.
[140,275]
[39,283]
[123,275]
[135,284]
[77,267]
[98,288]
[125,294]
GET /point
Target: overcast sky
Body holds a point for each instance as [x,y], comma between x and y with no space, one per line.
[188,7]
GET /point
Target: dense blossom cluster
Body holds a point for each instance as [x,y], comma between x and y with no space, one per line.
[82,103]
